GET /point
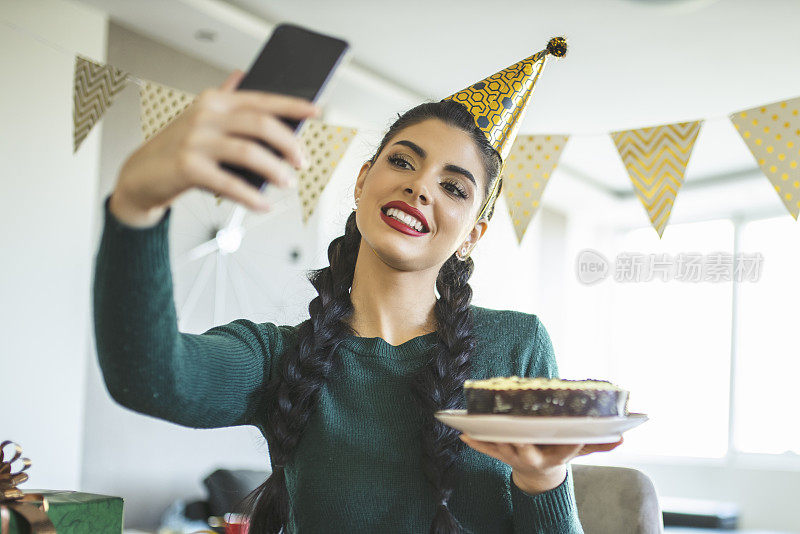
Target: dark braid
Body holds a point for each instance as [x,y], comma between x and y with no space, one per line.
[438,386]
[292,394]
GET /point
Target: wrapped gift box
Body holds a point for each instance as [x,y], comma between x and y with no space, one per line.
[75,512]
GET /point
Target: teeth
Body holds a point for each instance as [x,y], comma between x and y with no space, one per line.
[404,217]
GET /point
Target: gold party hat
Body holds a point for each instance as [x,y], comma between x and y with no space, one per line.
[498,103]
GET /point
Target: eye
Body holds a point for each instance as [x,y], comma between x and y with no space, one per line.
[399,160]
[457,188]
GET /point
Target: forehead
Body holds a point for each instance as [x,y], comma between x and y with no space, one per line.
[444,144]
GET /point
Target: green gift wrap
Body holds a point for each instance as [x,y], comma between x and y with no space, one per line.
[75,512]
[48,511]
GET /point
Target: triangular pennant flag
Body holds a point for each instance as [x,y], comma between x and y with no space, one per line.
[158,105]
[772,133]
[528,168]
[95,87]
[324,145]
[656,159]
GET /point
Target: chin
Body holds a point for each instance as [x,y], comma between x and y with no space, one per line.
[399,256]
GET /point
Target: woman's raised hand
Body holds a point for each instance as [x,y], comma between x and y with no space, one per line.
[213,129]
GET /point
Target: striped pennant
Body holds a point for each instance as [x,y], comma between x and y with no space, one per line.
[528,168]
[159,105]
[656,160]
[94,90]
[772,133]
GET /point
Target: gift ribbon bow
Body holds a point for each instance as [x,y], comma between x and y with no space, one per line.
[31,506]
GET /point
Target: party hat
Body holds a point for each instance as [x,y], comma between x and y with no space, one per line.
[498,103]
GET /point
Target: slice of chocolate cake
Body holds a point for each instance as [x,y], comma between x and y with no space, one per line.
[514,395]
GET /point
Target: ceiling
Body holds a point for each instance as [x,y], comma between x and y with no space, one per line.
[630,64]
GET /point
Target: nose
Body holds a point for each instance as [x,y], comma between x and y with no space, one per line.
[422,196]
[419,188]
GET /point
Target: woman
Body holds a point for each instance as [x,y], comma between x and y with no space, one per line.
[345,399]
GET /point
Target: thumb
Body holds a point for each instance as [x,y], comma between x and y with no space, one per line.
[233,80]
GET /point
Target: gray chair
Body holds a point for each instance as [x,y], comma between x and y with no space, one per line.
[616,500]
[611,500]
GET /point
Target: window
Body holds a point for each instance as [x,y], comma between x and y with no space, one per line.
[768,357]
[671,343]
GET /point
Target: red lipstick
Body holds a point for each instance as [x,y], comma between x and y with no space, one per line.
[398,225]
[414,212]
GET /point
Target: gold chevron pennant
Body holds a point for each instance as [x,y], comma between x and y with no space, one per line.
[528,168]
[158,105]
[95,87]
[656,160]
[324,145]
[772,133]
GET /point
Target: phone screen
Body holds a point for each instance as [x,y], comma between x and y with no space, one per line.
[294,61]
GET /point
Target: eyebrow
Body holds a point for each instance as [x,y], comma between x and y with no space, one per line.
[449,167]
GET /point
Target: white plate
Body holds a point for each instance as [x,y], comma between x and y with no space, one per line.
[540,429]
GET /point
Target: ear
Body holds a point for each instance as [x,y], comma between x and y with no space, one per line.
[362,175]
[477,232]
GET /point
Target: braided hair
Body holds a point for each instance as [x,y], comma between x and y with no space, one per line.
[292,394]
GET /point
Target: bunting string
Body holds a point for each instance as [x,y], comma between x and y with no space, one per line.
[654,157]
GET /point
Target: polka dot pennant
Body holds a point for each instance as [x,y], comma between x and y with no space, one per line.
[94,89]
[323,145]
[158,105]
[656,160]
[528,168]
[772,133]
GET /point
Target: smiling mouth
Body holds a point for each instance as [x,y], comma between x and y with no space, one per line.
[397,224]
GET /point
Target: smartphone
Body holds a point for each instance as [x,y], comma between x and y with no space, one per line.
[296,62]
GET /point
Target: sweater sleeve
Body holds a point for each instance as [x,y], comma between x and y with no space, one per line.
[554,511]
[207,380]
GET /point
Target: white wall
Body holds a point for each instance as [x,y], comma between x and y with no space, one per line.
[48,205]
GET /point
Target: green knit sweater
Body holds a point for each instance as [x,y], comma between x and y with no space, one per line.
[357,467]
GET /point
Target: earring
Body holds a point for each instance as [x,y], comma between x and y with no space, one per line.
[354,209]
[463,255]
